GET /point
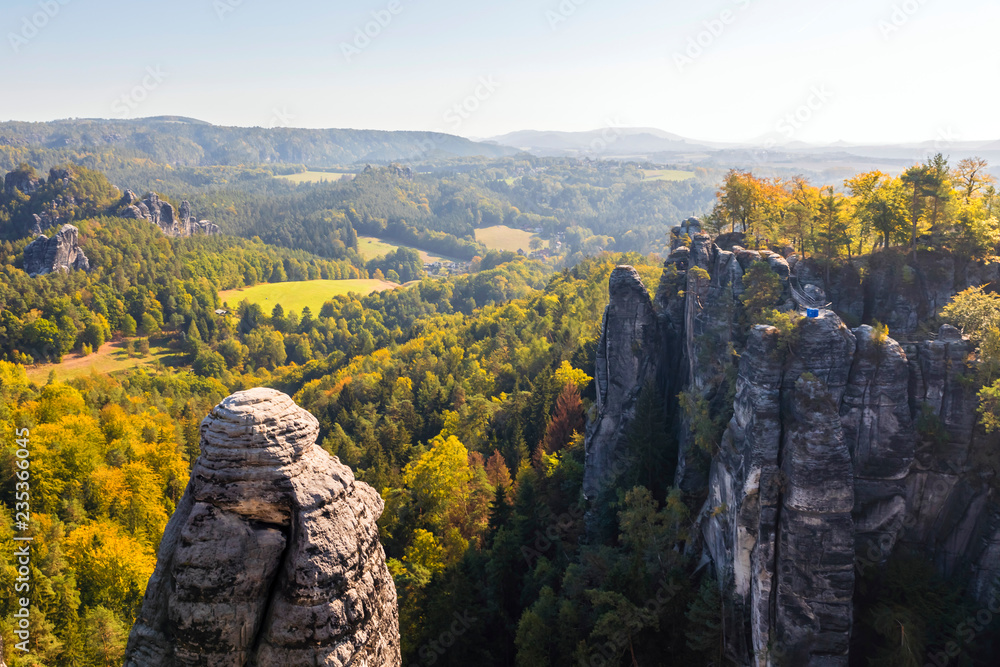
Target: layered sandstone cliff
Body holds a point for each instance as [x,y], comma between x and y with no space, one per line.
[843,444]
[272,556]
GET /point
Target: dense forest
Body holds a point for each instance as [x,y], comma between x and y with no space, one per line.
[462,400]
[188,142]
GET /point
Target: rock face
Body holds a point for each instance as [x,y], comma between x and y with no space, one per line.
[844,445]
[23,181]
[272,556]
[625,363]
[60,253]
[896,290]
[162,214]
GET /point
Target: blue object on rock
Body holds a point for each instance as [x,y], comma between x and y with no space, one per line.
[812,312]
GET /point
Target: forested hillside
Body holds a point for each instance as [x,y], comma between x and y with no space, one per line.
[188,142]
[463,401]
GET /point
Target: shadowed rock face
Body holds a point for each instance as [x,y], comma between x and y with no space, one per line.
[843,444]
[60,253]
[626,360]
[272,557]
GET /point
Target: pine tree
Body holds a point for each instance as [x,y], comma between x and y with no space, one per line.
[704,633]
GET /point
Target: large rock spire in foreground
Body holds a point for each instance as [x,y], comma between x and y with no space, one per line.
[272,557]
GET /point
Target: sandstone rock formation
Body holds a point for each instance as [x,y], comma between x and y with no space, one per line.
[272,556]
[23,181]
[625,355]
[60,253]
[173,222]
[843,446]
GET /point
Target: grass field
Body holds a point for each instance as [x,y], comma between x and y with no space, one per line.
[370,247]
[502,237]
[110,358]
[667,174]
[298,295]
[314,177]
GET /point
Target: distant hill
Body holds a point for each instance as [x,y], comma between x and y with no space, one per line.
[774,151]
[180,141]
[617,141]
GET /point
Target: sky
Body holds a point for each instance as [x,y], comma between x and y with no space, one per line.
[861,71]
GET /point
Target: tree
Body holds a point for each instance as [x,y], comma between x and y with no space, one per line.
[128,326]
[971,176]
[762,291]
[566,374]
[802,210]
[192,338]
[497,472]
[233,352]
[266,348]
[209,363]
[705,614]
[752,202]
[148,326]
[975,311]
[94,335]
[105,637]
[567,419]
[879,206]
[918,179]
[938,184]
[43,338]
[833,226]
[437,477]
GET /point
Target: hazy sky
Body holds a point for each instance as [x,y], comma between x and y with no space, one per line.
[857,70]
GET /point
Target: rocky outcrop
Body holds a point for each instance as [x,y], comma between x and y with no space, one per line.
[626,357]
[879,431]
[60,253]
[897,290]
[173,222]
[844,445]
[781,493]
[272,556]
[814,553]
[23,181]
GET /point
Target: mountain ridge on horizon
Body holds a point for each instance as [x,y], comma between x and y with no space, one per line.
[191,142]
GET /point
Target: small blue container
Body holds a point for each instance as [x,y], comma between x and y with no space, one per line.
[812,312]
